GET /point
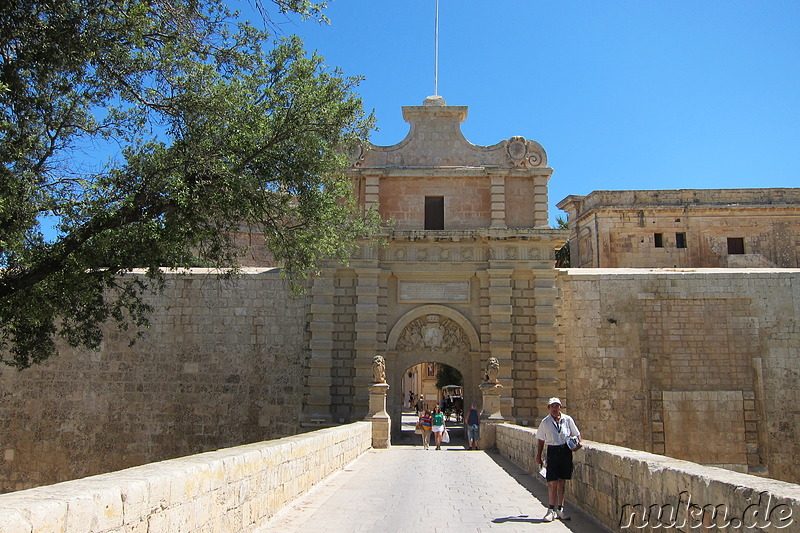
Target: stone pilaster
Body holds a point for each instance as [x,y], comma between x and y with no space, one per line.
[548,380]
[498,193]
[371,192]
[501,326]
[491,413]
[317,408]
[366,330]
[381,421]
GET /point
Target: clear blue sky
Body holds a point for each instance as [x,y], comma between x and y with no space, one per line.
[622,94]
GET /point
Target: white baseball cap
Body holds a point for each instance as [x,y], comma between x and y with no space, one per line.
[553,400]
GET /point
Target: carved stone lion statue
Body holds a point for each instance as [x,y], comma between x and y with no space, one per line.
[492,369]
[378,369]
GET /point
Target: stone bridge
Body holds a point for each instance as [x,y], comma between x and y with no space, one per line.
[334,479]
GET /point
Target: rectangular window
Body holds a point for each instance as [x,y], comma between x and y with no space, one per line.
[680,240]
[735,245]
[434,212]
[658,239]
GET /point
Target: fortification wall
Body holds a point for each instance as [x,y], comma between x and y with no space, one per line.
[702,365]
[222,365]
[632,490]
[236,489]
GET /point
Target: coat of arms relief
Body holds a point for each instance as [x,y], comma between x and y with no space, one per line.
[433,333]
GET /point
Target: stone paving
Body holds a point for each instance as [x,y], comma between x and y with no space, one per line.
[408,488]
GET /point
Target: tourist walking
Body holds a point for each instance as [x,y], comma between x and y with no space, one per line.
[438,426]
[425,422]
[556,430]
[474,428]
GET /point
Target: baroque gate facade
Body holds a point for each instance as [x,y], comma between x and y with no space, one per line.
[465,272]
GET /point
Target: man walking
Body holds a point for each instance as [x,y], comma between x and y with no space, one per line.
[555,431]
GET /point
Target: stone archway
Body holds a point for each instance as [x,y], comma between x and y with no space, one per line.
[432,333]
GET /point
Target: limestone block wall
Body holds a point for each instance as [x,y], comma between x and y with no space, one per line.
[685,228]
[222,365]
[701,364]
[627,489]
[234,489]
[467,203]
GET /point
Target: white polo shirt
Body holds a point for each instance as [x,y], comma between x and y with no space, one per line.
[556,434]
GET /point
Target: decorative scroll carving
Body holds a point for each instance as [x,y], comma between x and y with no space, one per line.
[433,333]
[492,370]
[524,153]
[356,154]
[378,369]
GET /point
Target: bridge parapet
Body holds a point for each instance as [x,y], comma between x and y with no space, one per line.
[233,489]
[627,489]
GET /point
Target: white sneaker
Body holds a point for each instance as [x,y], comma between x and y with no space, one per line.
[562,515]
[550,515]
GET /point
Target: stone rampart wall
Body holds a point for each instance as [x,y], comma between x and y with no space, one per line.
[626,489]
[235,489]
[222,365]
[702,365]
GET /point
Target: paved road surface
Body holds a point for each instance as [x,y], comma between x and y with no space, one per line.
[409,489]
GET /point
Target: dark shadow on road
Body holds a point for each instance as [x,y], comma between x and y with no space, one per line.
[521,518]
[537,487]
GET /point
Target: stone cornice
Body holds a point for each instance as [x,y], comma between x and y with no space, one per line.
[547,235]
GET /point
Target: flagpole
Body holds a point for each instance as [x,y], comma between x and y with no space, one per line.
[436,52]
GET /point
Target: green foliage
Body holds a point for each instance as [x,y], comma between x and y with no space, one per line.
[214,127]
[562,254]
[447,375]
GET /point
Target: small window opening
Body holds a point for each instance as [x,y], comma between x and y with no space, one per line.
[658,239]
[434,212]
[735,245]
[680,240]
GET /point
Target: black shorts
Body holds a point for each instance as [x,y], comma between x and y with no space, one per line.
[559,463]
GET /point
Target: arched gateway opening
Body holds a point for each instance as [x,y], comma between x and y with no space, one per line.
[430,334]
[426,385]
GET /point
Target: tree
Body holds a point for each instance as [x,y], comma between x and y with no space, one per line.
[562,254]
[213,126]
[447,375]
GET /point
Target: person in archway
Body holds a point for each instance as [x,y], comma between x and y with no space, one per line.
[555,431]
[474,428]
[438,426]
[425,422]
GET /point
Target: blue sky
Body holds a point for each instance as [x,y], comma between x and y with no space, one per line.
[622,95]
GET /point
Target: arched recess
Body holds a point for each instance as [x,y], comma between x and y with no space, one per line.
[431,333]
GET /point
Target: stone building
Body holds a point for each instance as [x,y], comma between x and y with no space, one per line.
[466,273]
[700,364]
[731,228]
